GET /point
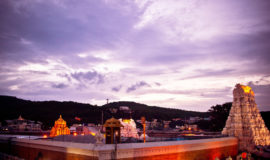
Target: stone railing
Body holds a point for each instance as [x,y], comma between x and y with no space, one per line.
[187,149]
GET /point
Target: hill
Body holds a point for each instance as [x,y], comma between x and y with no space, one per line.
[152,112]
[48,111]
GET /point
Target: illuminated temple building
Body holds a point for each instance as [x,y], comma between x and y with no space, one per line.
[245,121]
[59,128]
[129,130]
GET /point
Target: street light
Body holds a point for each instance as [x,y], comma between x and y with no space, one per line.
[115,143]
[143,123]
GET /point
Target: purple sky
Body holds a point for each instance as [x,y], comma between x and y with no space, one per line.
[186,54]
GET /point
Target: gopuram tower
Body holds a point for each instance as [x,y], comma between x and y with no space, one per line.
[245,121]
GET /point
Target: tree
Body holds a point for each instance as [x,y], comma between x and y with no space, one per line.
[219,115]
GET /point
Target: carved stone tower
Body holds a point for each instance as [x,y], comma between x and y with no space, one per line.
[245,121]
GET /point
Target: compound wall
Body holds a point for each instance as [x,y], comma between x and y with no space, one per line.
[187,149]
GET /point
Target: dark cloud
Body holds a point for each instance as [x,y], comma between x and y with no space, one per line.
[117,88]
[45,27]
[251,46]
[153,51]
[43,39]
[217,94]
[59,86]
[91,76]
[262,94]
[137,86]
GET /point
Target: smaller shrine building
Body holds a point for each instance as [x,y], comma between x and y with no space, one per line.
[59,128]
[22,125]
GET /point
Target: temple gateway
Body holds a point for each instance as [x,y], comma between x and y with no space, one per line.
[245,121]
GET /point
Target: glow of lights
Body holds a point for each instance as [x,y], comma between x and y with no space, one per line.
[75,134]
[126,120]
[216,155]
[93,134]
[246,89]
[189,134]
[82,134]
[45,136]
[244,155]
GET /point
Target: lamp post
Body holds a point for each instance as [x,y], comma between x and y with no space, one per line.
[143,123]
[115,144]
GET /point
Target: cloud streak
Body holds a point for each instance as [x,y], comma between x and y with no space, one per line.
[137,86]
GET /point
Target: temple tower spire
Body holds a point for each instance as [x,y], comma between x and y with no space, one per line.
[245,121]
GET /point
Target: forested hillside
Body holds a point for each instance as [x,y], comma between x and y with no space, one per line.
[48,111]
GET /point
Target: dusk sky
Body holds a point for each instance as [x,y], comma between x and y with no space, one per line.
[185,54]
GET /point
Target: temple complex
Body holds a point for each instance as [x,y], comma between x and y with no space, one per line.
[245,121]
[59,128]
[129,130]
[22,125]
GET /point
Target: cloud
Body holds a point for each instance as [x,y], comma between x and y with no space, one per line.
[196,20]
[262,94]
[99,49]
[200,93]
[86,24]
[90,76]
[137,86]
[59,86]
[117,88]
[200,73]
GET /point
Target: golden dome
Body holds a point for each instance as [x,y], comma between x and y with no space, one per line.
[60,120]
[113,123]
[59,128]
